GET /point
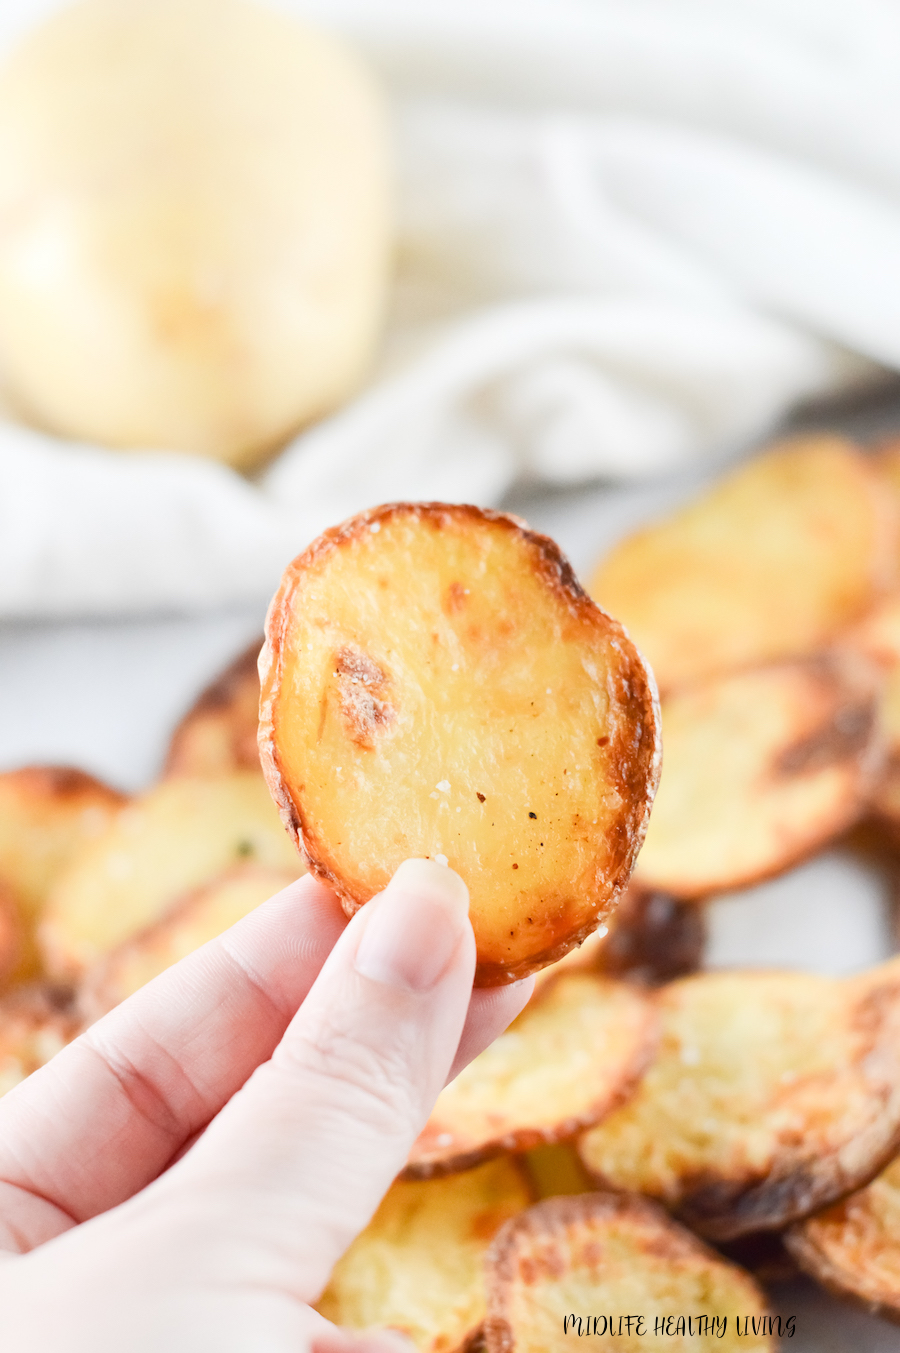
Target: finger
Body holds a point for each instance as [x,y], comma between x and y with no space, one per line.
[112,1109]
[491,1010]
[295,1165]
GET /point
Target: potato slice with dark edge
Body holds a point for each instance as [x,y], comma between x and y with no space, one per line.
[47,814]
[772,562]
[436,683]
[761,768]
[184,832]
[219,733]
[773,1093]
[418,1266]
[188,923]
[573,1261]
[36,1021]
[878,636]
[571,1057]
[853,1248]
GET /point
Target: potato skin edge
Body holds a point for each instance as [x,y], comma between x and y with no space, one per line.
[559,576]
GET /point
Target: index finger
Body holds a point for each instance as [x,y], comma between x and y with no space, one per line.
[112,1109]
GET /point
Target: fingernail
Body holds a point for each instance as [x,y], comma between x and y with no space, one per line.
[413,932]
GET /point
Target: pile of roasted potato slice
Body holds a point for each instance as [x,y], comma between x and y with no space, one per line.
[642,1122]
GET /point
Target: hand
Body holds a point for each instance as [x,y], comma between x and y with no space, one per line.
[186,1173]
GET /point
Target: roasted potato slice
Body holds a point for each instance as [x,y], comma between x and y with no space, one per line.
[597,1264]
[47,814]
[35,1022]
[878,636]
[417,1267]
[773,1093]
[436,683]
[853,1248]
[184,832]
[569,1058]
[761,768]
[770,563]
[218,734]
[190,922]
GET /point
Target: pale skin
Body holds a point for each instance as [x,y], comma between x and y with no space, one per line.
[185,1175]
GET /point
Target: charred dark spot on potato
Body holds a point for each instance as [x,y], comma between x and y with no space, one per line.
[363,686]
[841,737]
[533,816]
[479,797]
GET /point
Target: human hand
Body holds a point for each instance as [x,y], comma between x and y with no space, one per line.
[186,1173]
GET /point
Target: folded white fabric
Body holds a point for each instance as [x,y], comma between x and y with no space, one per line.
[630,235]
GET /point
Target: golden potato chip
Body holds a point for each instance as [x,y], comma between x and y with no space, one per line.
[436,683]
[35,1023]
[418,1266]
[47,814]
[761,768]
[878,636]
[186,831]
[218,734]
[615,1271]
[568,1059]
[189,923]
[853,1247]
[772,1094]
[770,563]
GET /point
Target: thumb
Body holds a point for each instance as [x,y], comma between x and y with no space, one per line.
[296,1163]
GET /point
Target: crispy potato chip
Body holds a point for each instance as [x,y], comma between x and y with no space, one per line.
[417,1267]
[181,834]
[853,1248]
[773,1093]
[47,814]
[188,924]
[878,636]
[591,1266]
[651,937]
[761,768]
[436,682]
[35,1022]
[218,734]
[568,1059]
[770,563]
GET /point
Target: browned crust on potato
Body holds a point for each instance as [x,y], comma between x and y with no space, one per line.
[799,1182]
[533,1247]
[636,752]
[221,705]
[849,737]
[837,1247]
[432,1154]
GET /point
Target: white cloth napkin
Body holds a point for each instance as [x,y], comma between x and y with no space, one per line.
[632,233]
